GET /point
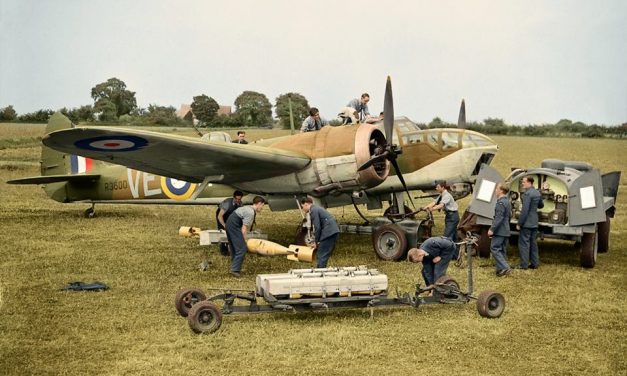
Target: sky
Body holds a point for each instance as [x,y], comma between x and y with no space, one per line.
[527,62]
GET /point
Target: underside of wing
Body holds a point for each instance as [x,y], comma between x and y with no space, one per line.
[55,179]
[177,157]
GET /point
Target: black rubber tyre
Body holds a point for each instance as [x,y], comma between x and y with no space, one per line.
[89,213]
[490,304]
[447,280]
[589,248]
[390,242]
[483,244]
[205,317]
[513,240]
[604,235]
[186,298]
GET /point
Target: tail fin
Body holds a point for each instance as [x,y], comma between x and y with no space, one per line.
[54,162]
[59,169]
[57,163]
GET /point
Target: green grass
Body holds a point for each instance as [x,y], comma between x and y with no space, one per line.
[560,319]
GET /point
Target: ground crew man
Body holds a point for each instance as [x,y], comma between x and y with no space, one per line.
[241,138]
[326,230]
[499,231]
[313,122]
[451,214]
[225,209]
[237,226]
[528,225]
[435,254]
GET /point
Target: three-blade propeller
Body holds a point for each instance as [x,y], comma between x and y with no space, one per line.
[388,151]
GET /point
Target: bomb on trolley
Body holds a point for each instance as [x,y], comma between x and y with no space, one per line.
[308,290]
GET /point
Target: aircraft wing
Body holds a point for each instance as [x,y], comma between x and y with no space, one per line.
[178,157]
[47,179]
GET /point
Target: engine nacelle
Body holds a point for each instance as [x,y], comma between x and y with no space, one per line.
[336,153]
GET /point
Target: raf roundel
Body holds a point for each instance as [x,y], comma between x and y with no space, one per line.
[177,189]
[112,143]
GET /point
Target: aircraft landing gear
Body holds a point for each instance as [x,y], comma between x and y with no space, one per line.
[90,212]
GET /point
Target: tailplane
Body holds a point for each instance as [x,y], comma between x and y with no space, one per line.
[57,168]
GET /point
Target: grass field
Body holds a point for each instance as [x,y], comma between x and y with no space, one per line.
[560,319]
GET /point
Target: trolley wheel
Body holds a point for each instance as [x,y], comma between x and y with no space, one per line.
[490,304]
[483,244]
[389,242]
[447,280]
[186,298]
[450,281]
[589,248]
[89,213]
[204,317]
[604,235]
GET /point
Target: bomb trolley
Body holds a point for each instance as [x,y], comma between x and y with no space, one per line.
[304,290]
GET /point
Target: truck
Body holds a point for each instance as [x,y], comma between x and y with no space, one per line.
[579,204]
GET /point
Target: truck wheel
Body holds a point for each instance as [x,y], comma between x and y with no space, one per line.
[589,248]
[204,317]
[604,235]
[490,304]
[483,244]
[513,240]
[186,298]
[389,242]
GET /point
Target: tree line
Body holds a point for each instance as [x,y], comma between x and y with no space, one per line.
[113,103]
[564,127]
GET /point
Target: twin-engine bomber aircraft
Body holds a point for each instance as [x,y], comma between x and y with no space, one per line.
[340,165]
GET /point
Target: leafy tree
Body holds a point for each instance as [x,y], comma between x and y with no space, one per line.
[84,113]
[113,92]
[436,123]
[593,131]
[39,116]
[225,121]
[253,109]
[8,113]
[205,109]
[300,109]
[107,110]
[161,115]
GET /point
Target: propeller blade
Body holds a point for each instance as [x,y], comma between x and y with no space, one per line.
[388,112]
[373,160]
[400,177]
[461,120]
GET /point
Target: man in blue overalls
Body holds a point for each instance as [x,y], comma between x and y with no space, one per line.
[326,230]
[499,231]
[451,214]
[528,225]
[226,208]
[237,226]
[435,254]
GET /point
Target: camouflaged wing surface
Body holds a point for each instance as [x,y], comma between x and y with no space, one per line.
[177,157]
